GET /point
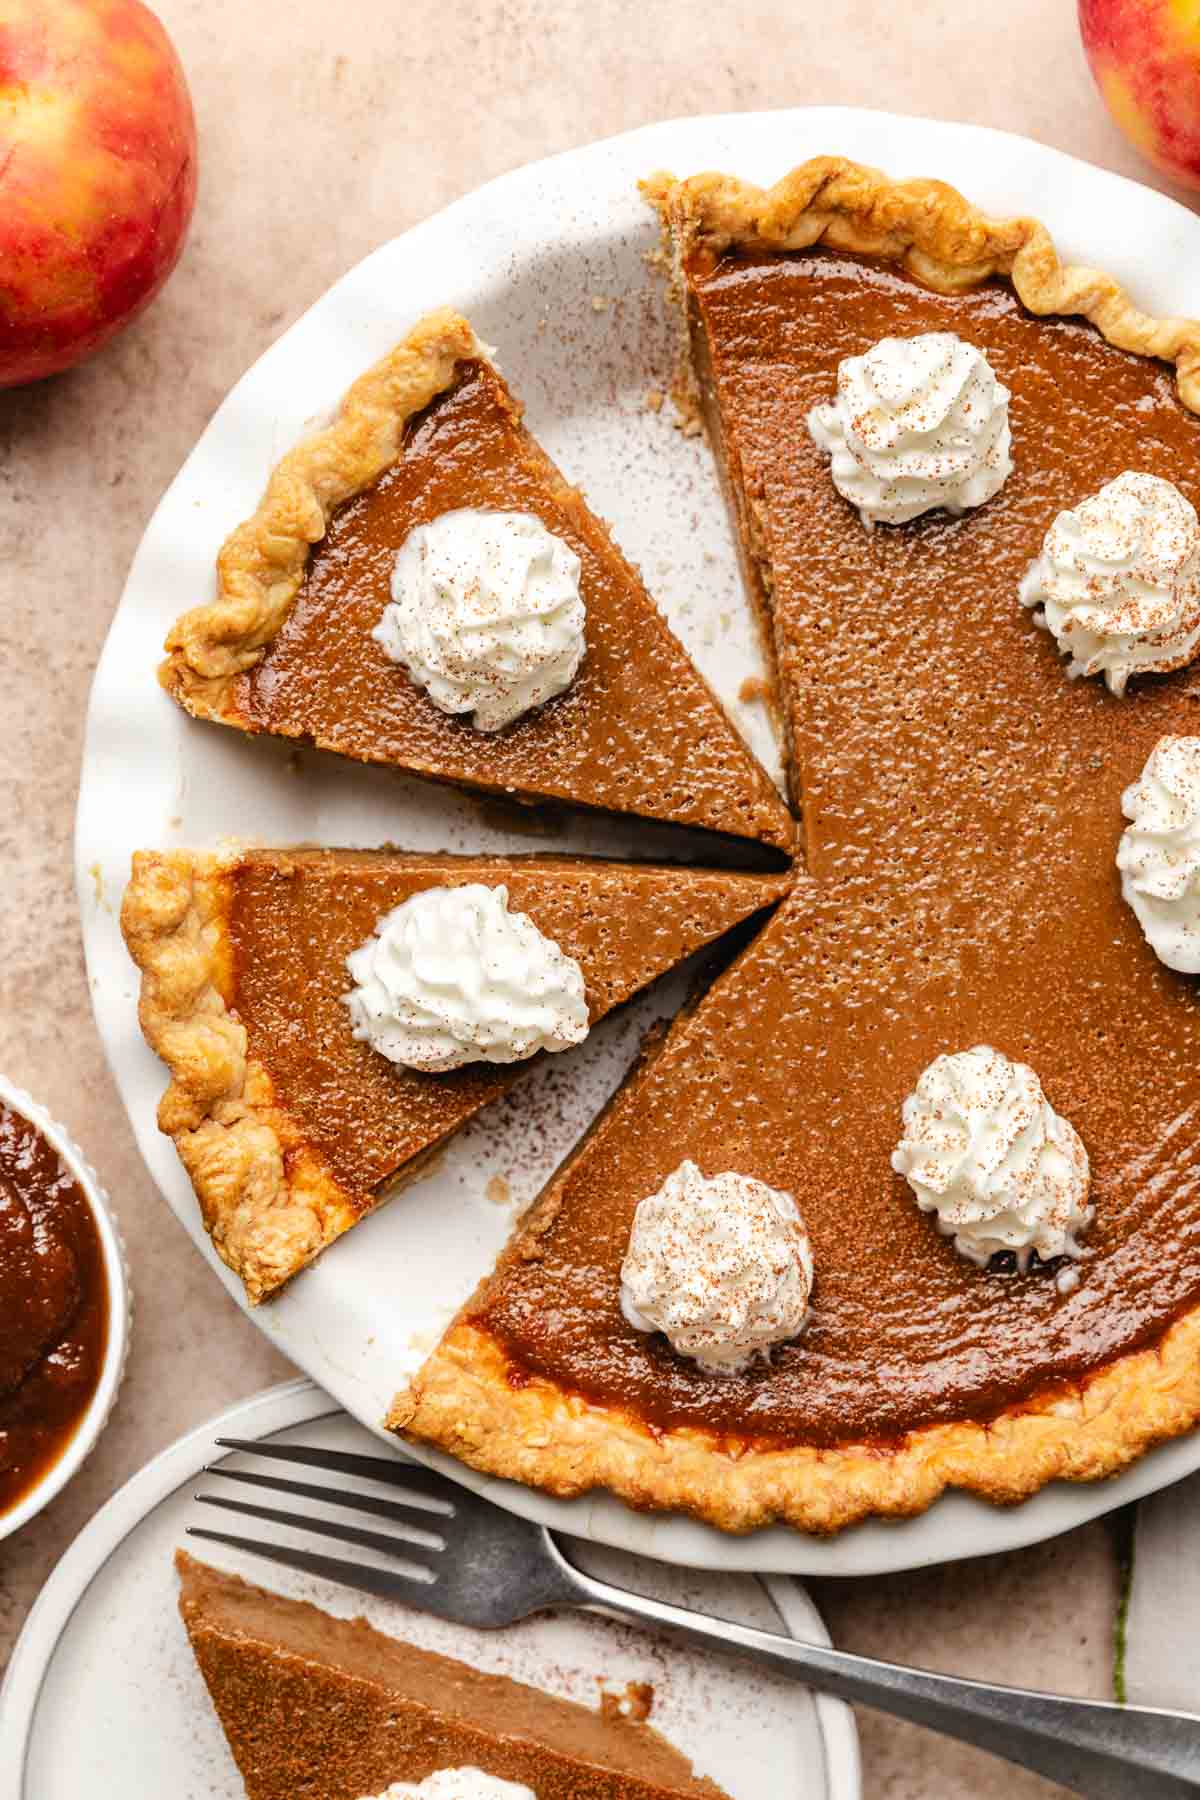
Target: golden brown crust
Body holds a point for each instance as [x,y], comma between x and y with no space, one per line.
[469,1401]
[938,236]
[268,1204]
[261,564]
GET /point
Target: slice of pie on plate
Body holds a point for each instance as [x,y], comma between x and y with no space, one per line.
[334,1710]
[290,1126]
[293,643]
[961,795]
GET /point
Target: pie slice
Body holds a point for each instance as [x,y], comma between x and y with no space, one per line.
[291,1128]
[287,645]
[961,803]
[334,1710]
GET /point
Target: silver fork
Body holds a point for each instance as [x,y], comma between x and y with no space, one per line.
[452,1553]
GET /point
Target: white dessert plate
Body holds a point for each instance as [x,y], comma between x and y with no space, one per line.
[550,263]
[103,1697]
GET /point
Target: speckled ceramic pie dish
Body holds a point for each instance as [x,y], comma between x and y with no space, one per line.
[62,1357]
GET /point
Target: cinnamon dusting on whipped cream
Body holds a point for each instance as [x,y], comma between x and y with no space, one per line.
[722,1265]
[1117,583]
[983,1149]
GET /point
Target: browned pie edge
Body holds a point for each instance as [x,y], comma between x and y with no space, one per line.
[533,1431]
[468,1398]
[928,227]
[261,564]
[472,1400]
[268,1204]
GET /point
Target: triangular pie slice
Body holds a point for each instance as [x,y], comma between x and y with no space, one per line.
[332,1709]
[962,809]
[286,646]
[290,1128]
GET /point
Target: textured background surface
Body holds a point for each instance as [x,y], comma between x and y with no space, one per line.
[323,132]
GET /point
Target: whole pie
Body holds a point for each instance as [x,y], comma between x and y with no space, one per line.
[960,791]
[332,1709]
[291,644]
[290,1126]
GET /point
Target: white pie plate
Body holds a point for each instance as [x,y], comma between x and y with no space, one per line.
[550,264]
[103,1698]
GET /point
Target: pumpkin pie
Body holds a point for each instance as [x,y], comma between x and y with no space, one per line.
[291,1127]
[961,807]
[291,645]
[335,1710]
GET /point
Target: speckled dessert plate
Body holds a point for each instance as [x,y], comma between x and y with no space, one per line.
[103,1697]
[550,264]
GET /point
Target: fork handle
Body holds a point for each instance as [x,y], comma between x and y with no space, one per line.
[1105,1751]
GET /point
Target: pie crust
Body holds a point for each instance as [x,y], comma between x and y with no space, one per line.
[927,227]
[468,1398]
[267,1217]
[262,563]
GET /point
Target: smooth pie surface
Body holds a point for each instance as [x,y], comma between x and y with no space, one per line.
[961,804]
[293,920]
[637,730]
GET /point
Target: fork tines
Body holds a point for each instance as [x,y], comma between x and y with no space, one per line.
[415,1491]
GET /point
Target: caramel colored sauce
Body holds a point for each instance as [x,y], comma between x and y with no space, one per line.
[601,743]
[961,807]
[54,1306]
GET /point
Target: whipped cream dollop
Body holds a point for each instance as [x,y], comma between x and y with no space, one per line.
[983,1149]
[486,614]
[452,977]
[721,1264]
[918,422]
[456,1784]
[1159,852]
[1118,580]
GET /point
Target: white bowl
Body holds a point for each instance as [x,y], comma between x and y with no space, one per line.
[116,1275]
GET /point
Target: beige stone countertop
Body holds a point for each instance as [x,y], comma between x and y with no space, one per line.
[324,131]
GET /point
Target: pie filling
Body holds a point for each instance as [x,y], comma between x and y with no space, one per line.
[294,918]
[641,735]
[961,803]
[319,1705]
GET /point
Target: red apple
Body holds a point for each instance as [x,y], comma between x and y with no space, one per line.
[97,175]
[1145,56]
